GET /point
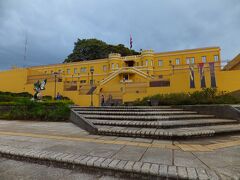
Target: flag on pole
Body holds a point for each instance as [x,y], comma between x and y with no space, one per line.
[212,74]
[131,41]
[202,75]
[192,80]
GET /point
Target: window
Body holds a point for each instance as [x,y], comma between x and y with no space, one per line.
[104,68]
[83,81]
[117,66]
[75,70]
[192,60]
[151,62]
[146,62]
[160,62]
[125,77]
[177,61]
[68,71]
[215,58]
[59,71]
[204,60]
[83,69]
[112,65]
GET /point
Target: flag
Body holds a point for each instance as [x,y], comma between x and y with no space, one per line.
[192,83]
[131,41]
[212,74]
[202,75]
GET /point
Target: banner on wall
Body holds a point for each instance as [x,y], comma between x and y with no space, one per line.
[212,74]
[192,81]
[202,75]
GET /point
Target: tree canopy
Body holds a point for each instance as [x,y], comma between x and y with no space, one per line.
[89,49]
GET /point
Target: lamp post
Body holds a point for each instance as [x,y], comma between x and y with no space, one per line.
[170,63]
[91,71]
[55,83]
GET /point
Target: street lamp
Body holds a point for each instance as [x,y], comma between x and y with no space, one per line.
[170,64]
[91,71]
[55,83]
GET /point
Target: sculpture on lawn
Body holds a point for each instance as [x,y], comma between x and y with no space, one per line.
[38,87]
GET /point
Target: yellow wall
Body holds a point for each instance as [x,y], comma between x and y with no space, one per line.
[228,80]
[13,80]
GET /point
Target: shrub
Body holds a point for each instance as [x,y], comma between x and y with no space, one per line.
[205,96]
[26,109]
[22,94]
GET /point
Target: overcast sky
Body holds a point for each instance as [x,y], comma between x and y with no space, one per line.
[52,26]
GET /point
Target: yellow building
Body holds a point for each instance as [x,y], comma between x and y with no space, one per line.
[233,64]
[125,79]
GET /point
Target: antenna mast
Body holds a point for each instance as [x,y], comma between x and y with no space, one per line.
[25,49]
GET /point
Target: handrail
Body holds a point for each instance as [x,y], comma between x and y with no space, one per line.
[109,77]
[139,72]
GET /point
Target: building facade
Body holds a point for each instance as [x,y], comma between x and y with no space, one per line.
[125,79]
[234,64]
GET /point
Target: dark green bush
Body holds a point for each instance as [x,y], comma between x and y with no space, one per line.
[22,94]
[12,97]
[26,109]
[20,106]
[206,96]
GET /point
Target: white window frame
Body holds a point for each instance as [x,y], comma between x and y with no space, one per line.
[83,69]
[112,65]
[160,62]
[192,60]
[216,58]
[75,70]
[177,61]
[187,60]
[146,62]
[204,59]
[104,68]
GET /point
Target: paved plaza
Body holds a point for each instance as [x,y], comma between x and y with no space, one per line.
[219,154]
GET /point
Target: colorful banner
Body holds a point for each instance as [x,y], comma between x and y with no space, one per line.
[212,74]
[131,41]
[192,80]
[202,75]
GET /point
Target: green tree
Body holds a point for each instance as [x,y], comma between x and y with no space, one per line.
[89,49]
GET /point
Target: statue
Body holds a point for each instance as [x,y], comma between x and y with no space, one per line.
[38,87]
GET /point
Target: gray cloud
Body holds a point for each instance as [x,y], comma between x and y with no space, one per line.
[52,26]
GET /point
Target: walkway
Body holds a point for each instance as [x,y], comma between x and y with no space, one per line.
[218,154]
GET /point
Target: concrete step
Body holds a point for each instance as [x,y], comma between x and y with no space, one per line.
[180,133]
[124,107]
[114,109]
[140,113]
[121,169]
[165,124]
[147,118]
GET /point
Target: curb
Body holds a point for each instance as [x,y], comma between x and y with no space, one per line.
[115,167]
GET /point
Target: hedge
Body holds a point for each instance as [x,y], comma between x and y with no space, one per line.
[205,96]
